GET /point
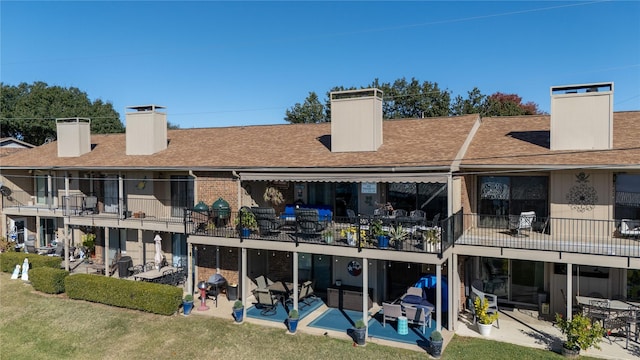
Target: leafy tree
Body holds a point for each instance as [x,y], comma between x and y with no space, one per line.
[311,111]
[28,111]
[412,99]
[500,104]
[473,104]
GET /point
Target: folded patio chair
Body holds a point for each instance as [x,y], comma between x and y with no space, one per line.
[417,316]
[390,312]
[265,301]
[524,221]
[306,296]
[630,227]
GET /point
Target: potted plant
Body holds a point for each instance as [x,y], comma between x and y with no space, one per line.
[351,234]
[435,344]
[238,311]
[292,322]
[273,196]
[246,222]
[327,235]
[580,334]
[485,320]
[397,235]
[432,239]
[187,304]
[379,234]
[360,332]
[89,243]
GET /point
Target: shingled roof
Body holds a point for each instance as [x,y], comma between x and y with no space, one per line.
[424,143]
[523,141]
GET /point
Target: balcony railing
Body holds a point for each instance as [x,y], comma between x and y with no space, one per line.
[339,231]
[595,237]
[77,204]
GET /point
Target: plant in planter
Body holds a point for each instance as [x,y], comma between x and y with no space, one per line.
[485,319]
[360,332]
[273,196]
[187,304]
[238,311]
[432,239]
[397,235]
[379,234]
[292,322]
[327,235]
[89,243]
[435,344]
[246,221]
[580,334]
[351,234]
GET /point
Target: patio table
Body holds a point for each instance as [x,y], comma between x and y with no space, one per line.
[619,306]
[153,274]
[281,289]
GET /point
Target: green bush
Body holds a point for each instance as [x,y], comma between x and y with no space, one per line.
[154,298]
[9,260]
[48,280]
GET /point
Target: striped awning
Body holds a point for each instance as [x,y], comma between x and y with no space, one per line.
[346,177]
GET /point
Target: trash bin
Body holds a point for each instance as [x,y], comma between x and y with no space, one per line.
[232,292]
[124,264]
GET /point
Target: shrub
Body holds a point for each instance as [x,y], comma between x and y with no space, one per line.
[360,324]
[580,332]
[48,280]
[238,304]
[293,314]
[481,308]
[188,298]
[155,298]
[436,336]
[9,260]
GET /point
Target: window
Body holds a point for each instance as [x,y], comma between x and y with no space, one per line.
[428,197]
[627,196]
[501,196]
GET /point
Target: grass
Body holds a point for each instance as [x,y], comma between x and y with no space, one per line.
[34,325]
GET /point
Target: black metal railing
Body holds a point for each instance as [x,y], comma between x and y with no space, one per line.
[595,237]
[420,235]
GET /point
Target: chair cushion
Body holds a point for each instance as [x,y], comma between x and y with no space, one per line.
[412,299]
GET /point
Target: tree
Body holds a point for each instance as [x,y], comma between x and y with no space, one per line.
[413,99]
[28,111]
[311,111]
[500,104]
[473,104]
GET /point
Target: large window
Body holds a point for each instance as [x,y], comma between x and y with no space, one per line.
[627,196]
[501,196]
[181,194]
[428,197]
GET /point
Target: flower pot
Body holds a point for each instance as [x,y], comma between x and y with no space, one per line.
[351,239]
[245,232]
[238,314]
[570,353]
[187,306]
[435,348]
[484,329]
[360,336]
[328,239]
[293,324]
[383,241]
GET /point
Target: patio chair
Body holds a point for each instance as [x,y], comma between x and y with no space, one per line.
[265,301]
[434,221]
[390,312]
[418,216]
[308,222]
[630,227]
[89,204]
[477,290]
[417,316]
[263,282]
[352,216]
[268,222]
[307,295]
[524,221]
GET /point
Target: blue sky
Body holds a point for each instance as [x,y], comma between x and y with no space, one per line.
[243,63]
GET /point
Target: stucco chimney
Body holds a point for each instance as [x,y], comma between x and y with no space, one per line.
[74,136]
[582,117]
[146,130]
[356,120]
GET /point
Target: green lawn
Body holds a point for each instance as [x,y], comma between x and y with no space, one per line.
[39,326]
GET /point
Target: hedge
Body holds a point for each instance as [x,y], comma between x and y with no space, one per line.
[9,260]
[48,280]
[139,295]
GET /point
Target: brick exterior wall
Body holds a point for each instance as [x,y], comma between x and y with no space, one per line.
[206,261]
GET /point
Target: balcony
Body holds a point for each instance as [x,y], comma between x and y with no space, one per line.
[334,232]
[81,206]
[593,237]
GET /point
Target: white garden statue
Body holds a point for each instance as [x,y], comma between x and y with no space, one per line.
[25,270]
[16,273]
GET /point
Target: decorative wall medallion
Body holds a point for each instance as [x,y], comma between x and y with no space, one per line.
[582,197]
[354,268]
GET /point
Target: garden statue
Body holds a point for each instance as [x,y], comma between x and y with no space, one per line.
[16,272]
[25,270]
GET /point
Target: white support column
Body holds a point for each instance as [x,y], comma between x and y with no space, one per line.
[106,251]
[50,191]
[295,280]
[243,282]
[141,248]
[453,277]
[66,244]
[217,259]
[120,197]
[569,291]
[365,294]
[439,297]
